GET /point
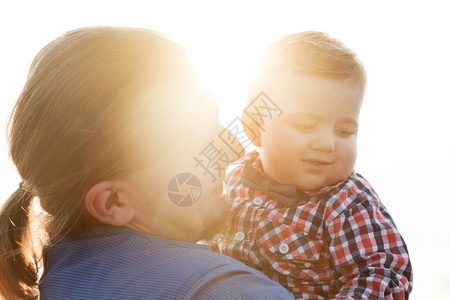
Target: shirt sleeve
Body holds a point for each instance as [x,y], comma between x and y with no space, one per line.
[370,257]
[233,282]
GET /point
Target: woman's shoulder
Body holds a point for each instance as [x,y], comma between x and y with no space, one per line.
[132,263]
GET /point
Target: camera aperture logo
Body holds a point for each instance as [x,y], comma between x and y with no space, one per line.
[184,189]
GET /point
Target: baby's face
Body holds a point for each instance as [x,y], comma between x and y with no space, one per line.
[313,143]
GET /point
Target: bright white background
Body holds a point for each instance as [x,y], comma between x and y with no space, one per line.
[404,143]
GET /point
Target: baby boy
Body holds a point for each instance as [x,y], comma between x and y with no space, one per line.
[299,211]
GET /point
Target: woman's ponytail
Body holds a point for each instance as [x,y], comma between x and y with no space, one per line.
[18,262]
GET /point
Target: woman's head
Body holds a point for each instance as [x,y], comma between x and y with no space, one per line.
[91,109]
[81,118]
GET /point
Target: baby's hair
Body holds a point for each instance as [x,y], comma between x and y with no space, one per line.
[307,53]
[91,110]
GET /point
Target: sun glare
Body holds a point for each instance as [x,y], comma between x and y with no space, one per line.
[226,73]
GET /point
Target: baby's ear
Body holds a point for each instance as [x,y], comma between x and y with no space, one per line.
[109,204]
[252,129]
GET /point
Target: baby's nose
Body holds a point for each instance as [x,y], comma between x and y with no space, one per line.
[324,141]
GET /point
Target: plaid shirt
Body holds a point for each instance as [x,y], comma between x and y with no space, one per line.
[337,243]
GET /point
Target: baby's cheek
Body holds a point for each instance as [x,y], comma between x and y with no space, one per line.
[349,152]
[349,165]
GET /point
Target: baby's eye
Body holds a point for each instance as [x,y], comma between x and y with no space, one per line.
[305,126]
[345,132]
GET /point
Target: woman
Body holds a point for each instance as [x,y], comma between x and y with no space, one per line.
[108,120]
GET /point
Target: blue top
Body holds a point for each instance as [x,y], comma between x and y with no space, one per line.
[119,263]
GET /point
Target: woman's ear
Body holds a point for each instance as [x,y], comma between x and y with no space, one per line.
[252,129]
[109,204]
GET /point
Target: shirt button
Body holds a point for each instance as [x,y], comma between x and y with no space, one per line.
[284,248]
[258,201]
[239,236]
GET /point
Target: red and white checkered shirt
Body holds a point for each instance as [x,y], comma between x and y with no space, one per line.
[336,243]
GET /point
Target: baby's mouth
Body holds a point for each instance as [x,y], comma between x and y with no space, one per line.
[315,164]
